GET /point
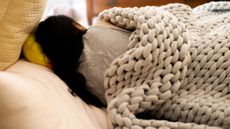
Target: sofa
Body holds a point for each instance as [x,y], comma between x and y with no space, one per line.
[32,96]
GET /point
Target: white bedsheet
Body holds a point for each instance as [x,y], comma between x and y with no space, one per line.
[32,97]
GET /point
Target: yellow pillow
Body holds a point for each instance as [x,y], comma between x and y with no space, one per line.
[33,52]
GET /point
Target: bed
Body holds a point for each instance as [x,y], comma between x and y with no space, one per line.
[33,97]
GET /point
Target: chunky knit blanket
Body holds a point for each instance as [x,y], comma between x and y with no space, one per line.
[176,71]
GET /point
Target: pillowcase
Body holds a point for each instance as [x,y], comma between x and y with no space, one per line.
[32,51]
[17,20]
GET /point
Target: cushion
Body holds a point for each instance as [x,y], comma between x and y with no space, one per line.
[32,51]
[17,19]
[33,97]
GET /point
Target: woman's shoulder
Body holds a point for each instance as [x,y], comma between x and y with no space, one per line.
[103,42]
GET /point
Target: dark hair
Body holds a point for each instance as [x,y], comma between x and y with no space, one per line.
[62,43]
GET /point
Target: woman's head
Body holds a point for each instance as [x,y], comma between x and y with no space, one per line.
[61,40]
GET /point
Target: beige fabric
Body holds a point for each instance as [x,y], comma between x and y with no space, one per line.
[32,97]
[17,19]
[176,68]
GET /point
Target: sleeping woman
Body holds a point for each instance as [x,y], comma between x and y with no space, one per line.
[79,56]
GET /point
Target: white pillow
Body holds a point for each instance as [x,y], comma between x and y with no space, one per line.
[32,97]
[17,19]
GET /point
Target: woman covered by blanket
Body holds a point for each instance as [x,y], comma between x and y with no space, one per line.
[174,66]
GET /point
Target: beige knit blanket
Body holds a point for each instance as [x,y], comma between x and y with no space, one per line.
[176,69]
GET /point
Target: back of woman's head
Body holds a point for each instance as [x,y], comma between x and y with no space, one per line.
[61,41]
